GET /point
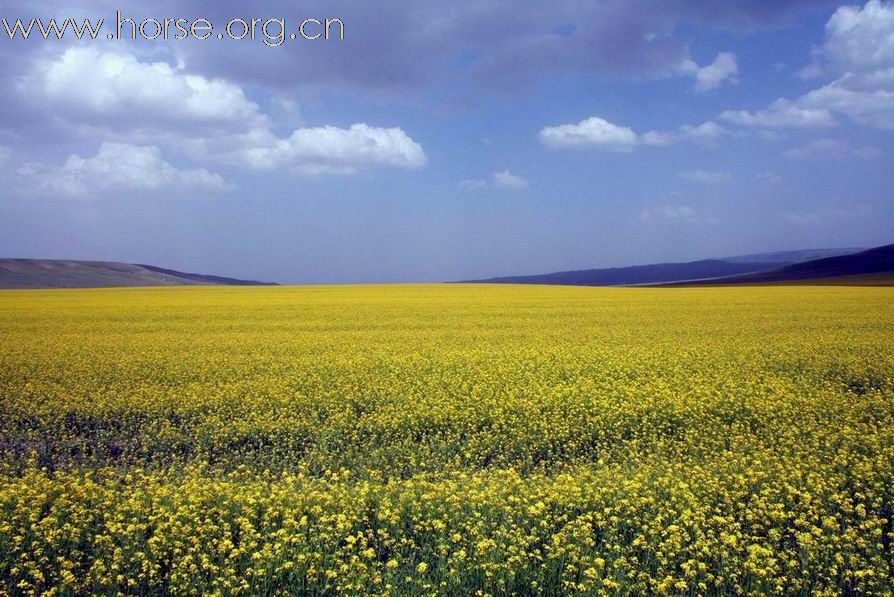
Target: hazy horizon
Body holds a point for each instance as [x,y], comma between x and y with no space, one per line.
[440,142]
[511,275]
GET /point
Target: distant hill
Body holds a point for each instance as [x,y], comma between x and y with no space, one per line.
[786,257]
[639,274]
[870,267]
[54,273]
[704,271]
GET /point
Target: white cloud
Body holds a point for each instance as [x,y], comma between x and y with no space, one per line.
[861,39]
[287,111]
[508,180]
[708,132]
[706,176]
[672,213]
[832,148]
[121,168]
[319,150]
[811,71]
[858,53]
[112,95]
[657,138]
[599,133]
[724,69]
[592,132]
[498,180]
[871,107]
[116,85]
[782,114]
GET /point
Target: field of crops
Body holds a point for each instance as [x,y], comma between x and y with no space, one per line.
[455,440]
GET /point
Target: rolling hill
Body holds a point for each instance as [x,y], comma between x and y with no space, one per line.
[870,267]
[845,265]
[55,273]
[638,274]
[787,257]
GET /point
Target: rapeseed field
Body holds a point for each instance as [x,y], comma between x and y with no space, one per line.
[452,440]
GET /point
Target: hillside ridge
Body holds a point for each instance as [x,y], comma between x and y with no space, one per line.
[68,273]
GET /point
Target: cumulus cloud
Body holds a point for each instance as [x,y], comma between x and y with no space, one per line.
[598,133]
[861,39]
[871,107]
[724,69]
[706,176]
[121,168]
[501,43]
[127,99]
[498,180]
[87,82]
[832,148]
[782,113]
[709,133]
[508,180]
[317,150]
[592,132]
[858,52]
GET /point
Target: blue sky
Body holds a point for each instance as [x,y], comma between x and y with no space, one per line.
[444,141]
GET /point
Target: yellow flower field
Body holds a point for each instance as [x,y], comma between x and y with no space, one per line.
[441,439]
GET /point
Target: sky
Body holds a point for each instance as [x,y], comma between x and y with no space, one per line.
[449,140]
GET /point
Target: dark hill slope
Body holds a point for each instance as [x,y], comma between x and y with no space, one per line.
[872,264]
[787,257]
[55,273]
[639,274]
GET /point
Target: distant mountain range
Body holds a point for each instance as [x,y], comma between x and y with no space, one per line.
[54,273]
[763,268]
